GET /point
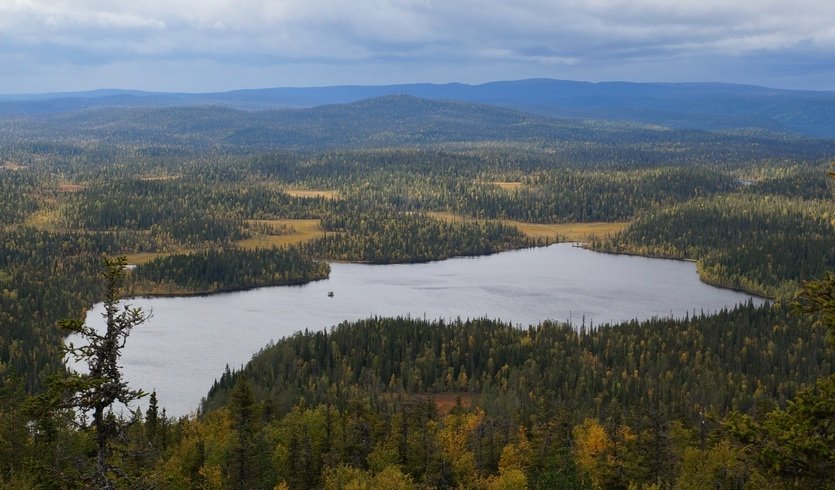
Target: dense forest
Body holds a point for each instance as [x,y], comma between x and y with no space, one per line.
[677,367]
[204,200]
[214,271]
[738,240]
[381,236]
[407,403]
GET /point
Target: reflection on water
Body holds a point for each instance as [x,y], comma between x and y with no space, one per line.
[189,341]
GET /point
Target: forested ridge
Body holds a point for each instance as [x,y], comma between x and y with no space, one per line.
[738,240]
[677,367]
[225,200]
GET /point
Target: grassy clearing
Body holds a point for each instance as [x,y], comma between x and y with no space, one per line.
[448,217]
[14,166]
[505,185]
[312,193]
[270,233]
[285,232]
[160,178]
[68,187]
[143,257]
[572,232]
[46,219]
[445,402]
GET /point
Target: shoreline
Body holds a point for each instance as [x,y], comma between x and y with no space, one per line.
[583,245]
[715,284]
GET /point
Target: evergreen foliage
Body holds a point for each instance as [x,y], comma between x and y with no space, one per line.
[97,390]
[381,236]
[732,360]
[762,244]
[213,271]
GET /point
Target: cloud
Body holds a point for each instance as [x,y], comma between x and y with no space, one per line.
[573,35]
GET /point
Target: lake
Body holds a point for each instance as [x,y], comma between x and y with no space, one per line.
[190,340]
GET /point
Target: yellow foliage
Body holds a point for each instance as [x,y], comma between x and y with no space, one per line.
[509,480]
[591,440]
[212,477]
[392,478]
[457,428]
[718,467]
[638,486]
[453,437]
[203,443]
[344,477]
[591,447]
[626,434]
[383,455]
[515,456]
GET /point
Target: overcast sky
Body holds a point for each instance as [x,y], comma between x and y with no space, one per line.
[211,45]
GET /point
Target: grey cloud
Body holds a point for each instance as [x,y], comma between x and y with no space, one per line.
[579,37]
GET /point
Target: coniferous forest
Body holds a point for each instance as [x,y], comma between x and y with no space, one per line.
[204,200]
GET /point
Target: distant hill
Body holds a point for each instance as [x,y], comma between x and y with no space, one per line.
[405,121]
[680,105]
[393,120]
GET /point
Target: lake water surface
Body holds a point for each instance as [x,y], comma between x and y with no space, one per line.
[190,340]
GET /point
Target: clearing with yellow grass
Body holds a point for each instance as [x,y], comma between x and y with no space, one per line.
[571,232]
[312,193]
[68,187]
[143,257]
[45,219]
[268,233]
[14,166]
[160,178]
[503,184]
[282,232]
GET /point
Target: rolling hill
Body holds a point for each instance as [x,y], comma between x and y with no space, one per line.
[702,106]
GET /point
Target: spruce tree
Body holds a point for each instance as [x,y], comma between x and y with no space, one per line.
[102,386]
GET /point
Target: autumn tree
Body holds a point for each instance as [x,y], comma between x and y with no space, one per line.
[592,449]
